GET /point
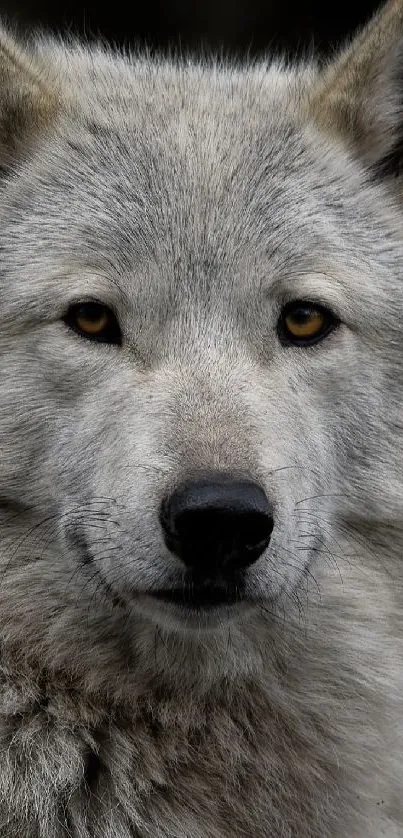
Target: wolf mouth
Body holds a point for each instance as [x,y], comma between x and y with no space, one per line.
[206,596]
[191,594]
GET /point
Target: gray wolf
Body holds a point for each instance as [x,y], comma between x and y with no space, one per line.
[201,480]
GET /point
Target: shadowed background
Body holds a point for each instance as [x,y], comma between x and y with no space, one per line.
[238,26]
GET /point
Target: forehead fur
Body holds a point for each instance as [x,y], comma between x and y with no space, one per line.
[165,171]
[210,131]
[166,176]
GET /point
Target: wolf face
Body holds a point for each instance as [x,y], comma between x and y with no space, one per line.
[201,300]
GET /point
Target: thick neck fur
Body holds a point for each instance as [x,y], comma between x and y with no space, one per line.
[277,740]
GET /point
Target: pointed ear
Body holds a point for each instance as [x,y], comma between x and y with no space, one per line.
[27,101]
[359,96]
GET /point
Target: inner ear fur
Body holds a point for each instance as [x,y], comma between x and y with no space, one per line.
[28,100]
[359,95]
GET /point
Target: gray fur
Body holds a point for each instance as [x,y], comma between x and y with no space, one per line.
[196,200]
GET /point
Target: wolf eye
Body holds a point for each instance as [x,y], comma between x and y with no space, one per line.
[94,321]
[303,323]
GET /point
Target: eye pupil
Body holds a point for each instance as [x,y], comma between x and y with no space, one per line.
[301,315]
[91,311]
[303,324]
[94,321]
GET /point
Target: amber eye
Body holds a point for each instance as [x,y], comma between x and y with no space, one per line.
[303,323]
[94,321]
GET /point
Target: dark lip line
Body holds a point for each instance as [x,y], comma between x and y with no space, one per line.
[200,597]
[79,543]
[190,594]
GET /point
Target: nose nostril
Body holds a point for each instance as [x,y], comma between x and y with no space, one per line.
[223,522]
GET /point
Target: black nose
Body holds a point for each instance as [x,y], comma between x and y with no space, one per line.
[217,525]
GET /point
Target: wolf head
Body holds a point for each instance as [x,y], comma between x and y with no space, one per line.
[201,327]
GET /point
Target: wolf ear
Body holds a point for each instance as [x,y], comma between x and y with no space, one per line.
[27,102]
[359,96]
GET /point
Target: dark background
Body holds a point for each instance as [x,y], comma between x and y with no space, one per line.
[240,26]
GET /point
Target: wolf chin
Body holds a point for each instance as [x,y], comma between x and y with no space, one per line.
[201,480]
